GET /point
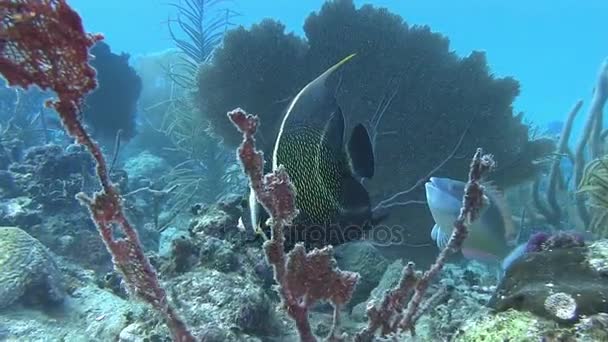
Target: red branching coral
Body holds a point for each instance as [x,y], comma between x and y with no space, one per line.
[30,55]
[43,43]
[388,316]
[303,278]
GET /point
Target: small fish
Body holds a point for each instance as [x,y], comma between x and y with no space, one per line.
[488,235]
[333,205]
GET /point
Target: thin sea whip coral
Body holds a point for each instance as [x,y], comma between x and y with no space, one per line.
[43,43]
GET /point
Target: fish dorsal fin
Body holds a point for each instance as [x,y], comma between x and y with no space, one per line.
[498,199]
[312,106]
[315,96]
[360,152]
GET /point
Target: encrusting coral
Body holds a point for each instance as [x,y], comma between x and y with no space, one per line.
[559,277]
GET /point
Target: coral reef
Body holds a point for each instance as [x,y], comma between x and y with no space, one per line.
[37,193]
[52,31]
[561,283]
[468,290]
[27,270]
[507,326]
[523,326]
[219,276]
[213,277]
[88,314]
[144,168]
[303,278]
[226,302]
[19,211]
[52,177]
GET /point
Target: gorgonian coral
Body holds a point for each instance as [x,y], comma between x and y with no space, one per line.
[113,105]
[429,96]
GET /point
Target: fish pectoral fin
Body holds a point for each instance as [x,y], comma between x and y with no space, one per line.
[440,236]
[360,152]
[354,202]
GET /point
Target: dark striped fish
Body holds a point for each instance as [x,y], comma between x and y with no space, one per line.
[334,206]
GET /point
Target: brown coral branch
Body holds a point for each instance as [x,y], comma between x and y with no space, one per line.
[386,316]
[472,202]
[303,278]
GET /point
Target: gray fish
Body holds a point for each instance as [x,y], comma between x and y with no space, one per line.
[488,235]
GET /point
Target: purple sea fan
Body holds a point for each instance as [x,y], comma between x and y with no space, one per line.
[543,241]
[536,241]
[567,239]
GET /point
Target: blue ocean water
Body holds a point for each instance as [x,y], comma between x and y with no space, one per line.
[553,47]
[400,158]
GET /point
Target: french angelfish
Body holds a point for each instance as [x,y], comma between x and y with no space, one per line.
[488,234]
[333,205]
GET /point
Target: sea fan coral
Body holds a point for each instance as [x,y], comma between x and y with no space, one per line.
[258,69]
[112,106]
[424,88]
